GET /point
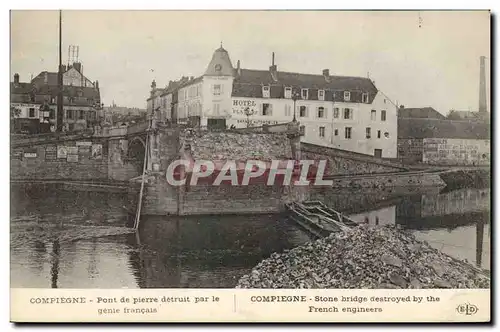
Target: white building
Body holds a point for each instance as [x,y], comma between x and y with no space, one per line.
[344,112]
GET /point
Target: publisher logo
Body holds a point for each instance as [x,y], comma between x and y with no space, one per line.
[467,309]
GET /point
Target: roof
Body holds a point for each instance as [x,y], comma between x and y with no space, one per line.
[220,65]
[457,115]
[46,89]
[420,112]
[437,128]
[51,77]
[249,82]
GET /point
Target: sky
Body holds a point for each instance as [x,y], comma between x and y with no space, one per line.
[417,58]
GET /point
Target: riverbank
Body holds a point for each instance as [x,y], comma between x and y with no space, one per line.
[364,257]
[470,178]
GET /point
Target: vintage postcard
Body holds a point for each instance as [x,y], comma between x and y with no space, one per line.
[250,166]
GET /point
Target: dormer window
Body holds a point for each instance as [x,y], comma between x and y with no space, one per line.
[364,98]
[321,94]
[347,96]
[288,92]
[304,93]
[266,91]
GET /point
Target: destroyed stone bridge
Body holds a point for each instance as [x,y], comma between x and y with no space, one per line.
[114,157]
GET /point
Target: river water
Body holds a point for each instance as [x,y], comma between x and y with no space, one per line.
[215,251]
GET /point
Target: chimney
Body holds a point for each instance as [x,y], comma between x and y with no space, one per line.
[326,74]
[16,78]
[153,86]
[63,67]
[238,68]
[483,105]
[45,78]
[77,66]
[274,70]
[97,85]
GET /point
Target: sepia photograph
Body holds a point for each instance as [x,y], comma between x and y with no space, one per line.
[231,149]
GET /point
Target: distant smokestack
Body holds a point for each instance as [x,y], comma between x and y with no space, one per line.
[16,78]
[46,78]
[274,70]
[483,106]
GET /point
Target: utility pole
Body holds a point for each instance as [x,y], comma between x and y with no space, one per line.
[59,113]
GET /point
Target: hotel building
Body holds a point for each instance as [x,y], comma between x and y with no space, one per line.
[343,112]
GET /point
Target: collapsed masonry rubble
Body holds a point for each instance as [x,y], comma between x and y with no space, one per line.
[364,257]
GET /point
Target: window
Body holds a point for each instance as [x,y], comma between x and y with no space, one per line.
[52,100]
[305,93]
[336,112]
[267,109]
[374,115]
[288,110]
[32,113]
[52,114]
[217,89]
[302,111]
[321,94]
[71,127]
[92,115]
[368,132]
[321,131]
[336,132]
[265,91]
[347,113]
[386,134]
[81,115]
[288,92]
[321,112]
[69,114]
[364,98]
[71,99]
[216,109]
[348,132]
[378,134]
[347,95]
[383,115]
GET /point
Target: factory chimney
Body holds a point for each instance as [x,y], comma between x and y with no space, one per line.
[483,105]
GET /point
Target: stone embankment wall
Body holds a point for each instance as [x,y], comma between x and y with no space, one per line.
[390,180]
[342,162]
[66,160]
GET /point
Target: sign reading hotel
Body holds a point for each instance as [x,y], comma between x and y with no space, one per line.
[240,105]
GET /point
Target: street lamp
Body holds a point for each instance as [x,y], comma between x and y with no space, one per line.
[295,96]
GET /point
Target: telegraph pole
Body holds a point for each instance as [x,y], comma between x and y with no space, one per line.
[59,114]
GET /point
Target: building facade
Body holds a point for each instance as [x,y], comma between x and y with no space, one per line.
[430,138]
[348,113]
[37,100]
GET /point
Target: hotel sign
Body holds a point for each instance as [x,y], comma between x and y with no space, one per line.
[239,107]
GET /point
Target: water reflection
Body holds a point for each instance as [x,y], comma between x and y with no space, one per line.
[215,251]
